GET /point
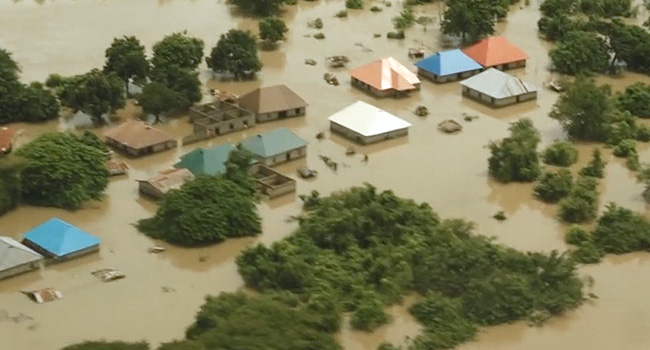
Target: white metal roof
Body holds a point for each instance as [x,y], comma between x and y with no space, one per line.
[498,84]
[367,119]
[14,254]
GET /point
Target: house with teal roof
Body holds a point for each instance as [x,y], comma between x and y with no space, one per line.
[60,240]
[448,66]
[276,146]
[206,161]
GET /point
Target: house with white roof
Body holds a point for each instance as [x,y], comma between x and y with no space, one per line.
[365,123]
[496,88]
[16,258]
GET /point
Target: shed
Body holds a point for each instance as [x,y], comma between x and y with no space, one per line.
[210,161]
[385,77]
[164,182]
[496,88]
[60,240]
[497,52]
[276,146]
[7,135]
[273,102]
[16,258]
[448,66]
[137,138]
[365,123]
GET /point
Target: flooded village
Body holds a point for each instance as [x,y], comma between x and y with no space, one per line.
[314,127]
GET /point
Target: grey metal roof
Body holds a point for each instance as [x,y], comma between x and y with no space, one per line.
[14,254]
[498,84]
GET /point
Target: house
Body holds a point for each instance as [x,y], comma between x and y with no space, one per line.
[210,161]
[365,123]
[220,118]
[385,77]
[6,139]
[497,52]
[448,66]
[137,138]
[16,258]
[60,240]
[271,182]
[496,88]
[276,146]
[273,102]
[164,182]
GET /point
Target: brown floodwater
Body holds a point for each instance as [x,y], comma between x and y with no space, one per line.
[161,293]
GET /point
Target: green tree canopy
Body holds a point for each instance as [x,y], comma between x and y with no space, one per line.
[621,230]
[235,53]
[185,82]
[272,29]
[635,99]
[178,49]
[580,52]
[515,157]
[582,203]
[469,18]
[562,153]
[157,99]
[126,58]
[554,186]
[10,182]
[259,7]
[631,44]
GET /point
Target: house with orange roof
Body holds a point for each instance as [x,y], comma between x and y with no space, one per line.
[7,135]
[385,77]
[137,138]
[497,52]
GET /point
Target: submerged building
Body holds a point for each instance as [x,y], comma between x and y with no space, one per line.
[60,240]
[365,123]
[497,52]
[385,77]
[496,88]
[448,66]
[273,102]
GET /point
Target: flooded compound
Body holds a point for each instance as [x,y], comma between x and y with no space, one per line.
[162,292]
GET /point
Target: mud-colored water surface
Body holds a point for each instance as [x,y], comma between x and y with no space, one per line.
[161,293]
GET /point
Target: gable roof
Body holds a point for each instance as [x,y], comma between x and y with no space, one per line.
[210,161]
[271,99]
[367,120]
[6,138]
[14,254]
[386,73]
[60,238]
[494,51]
[137,134]
[274,142]
[498,84]
[169,179]
[448,62]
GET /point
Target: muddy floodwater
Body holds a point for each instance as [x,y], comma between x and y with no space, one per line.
[161,293]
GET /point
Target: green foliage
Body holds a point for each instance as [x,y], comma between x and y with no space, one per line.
[621,230]
[157,98]
[577,235]
[469,18]
[317,23]
[272,29]
[90,139]
[178,49]
[580,52]
[395,35]
[500,216]
[341,14]
[259,7]
[319,36]
[236,53]
[625,148]
[554,186]
[558,26]
[445,321]
[552,8]
[126,58]
[405,20]
[582,203]
[369,314]
[642,133]
[62,171]
[94,93]
[375,8]
[103,345]
[562,153]
[354,4]
[631,44]
[596,166]
[635,99]
[606,8]
[515,157]
[10,182]
[184,81]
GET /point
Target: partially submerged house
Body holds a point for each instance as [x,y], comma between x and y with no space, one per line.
[273,102]
[164,182]
[16,258]
[385,77]
[365,123]
[210,161]
[276,146]
[136,138]
[496,88]
[497,52]
[220,118]
[7,135]
[271,182]
[60,240]
[448,66]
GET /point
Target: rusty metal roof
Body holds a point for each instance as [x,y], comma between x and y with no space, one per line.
[386,73]
[137,134]
[6,138]
[169,179]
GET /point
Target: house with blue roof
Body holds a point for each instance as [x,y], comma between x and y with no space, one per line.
[60,240]
[206,161]
[448,66]
[276,146]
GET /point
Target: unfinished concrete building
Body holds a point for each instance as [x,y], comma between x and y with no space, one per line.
[271,182]
[220,118]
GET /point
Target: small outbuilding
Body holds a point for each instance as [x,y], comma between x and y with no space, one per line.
[209,161]
[16,258]
[276,146]
[365,123]
[497,52]
[7,135]
[273,102]
[136,138]
[385,77]
[496,88]
[164,182]
[448,66]
[220,118]
[271,182]
[60,240]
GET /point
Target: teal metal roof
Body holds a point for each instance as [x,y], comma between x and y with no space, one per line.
[208,161]
[273,143]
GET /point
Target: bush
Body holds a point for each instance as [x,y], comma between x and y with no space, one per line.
[554,186]
[375,9]
[587,253]
[625,148]
[369,314]
[445,321]
[596,166]
[642,133]
[577,235]
[621,230]
[317,23]
[405,20]
[561,154]
[395,35]
[104,345]
[354,4]
[341,14]
[10,182]
[515,157]
[579,53]
[582,203]
[319,36]
[635,99]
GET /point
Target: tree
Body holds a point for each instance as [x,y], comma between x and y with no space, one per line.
[185,82]
[562,153]
[596,166]
[369,314]
[36,104]
[580,52]
[259,7]
[126,58]
[582,203]
[469,18]
[178,49]
[621,230]
[235,53]
[515,157]
[552,8]
[631,44]
[554,186]
[62,171]
[558,26]
[635,99]
[272,29]
[10,183]
[405,20]
[9,83]
[157,98]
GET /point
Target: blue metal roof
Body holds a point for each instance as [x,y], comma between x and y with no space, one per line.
[448,62]
[60,238]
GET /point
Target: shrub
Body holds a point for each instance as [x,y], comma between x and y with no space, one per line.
[375,9]
[587,253]
[577,235]
[369,314]
[642,133]
[319,36]
[395,35]
[635,99]
[596,166]
[354,4]
[515,157]
[625,148]
[341,14]
[561,154]
[317,23]
[621,230]
[554,186]
[582,203]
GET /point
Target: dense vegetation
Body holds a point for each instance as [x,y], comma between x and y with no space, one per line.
[259,7]
[580,52]
[272,29]
[635,99]
[562,153]
[235,53]
[470,19]
[10,185]
[554,186]
[126,58]
[581,205]
[515,157]
[595,167]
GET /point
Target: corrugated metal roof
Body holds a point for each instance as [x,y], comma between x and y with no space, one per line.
[61,238]
[448,62]
[6,138]
[367,119]
[271,99]
[273,143]
[137,134]
[498,84]
[210,161]
[386,73]
[169,179]
[494,51]
[14,254]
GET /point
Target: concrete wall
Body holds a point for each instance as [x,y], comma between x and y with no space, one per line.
[525,97]
[285,157]
[371,90]
[265,117]
[285,188]
[48,254]
[16,270]
[141,151]
[497,102]
[149,190]
[356,137]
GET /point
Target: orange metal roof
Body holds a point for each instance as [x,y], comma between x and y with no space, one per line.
[494,51]
[386,73]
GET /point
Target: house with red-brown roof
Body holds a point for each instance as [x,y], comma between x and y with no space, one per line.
[385,77]
[497,52]
[273,102]
[7,135]
[137,138]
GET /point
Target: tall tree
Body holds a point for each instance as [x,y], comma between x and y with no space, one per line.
[95,93]
[157,98]
[272,29]
[635,99]
[37,104]
[178,49]
[259,7]
[126,58]
[515,158]
[183,81]
[580,52]
[469,18]
[631,44]
[235,53]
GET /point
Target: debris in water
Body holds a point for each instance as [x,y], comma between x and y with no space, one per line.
[329,162]
[310,62]
[421,111]
[337,61]
[166,289]
[469,118]
[365,158]
[450,126]
[203,258]
[156,249]
[500,216]
[416,52]
[107,275]
[376,35]
[331,79]
[320,135]
[554,86]
[307,173]
[116,167]
[350,151]
[44,295]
